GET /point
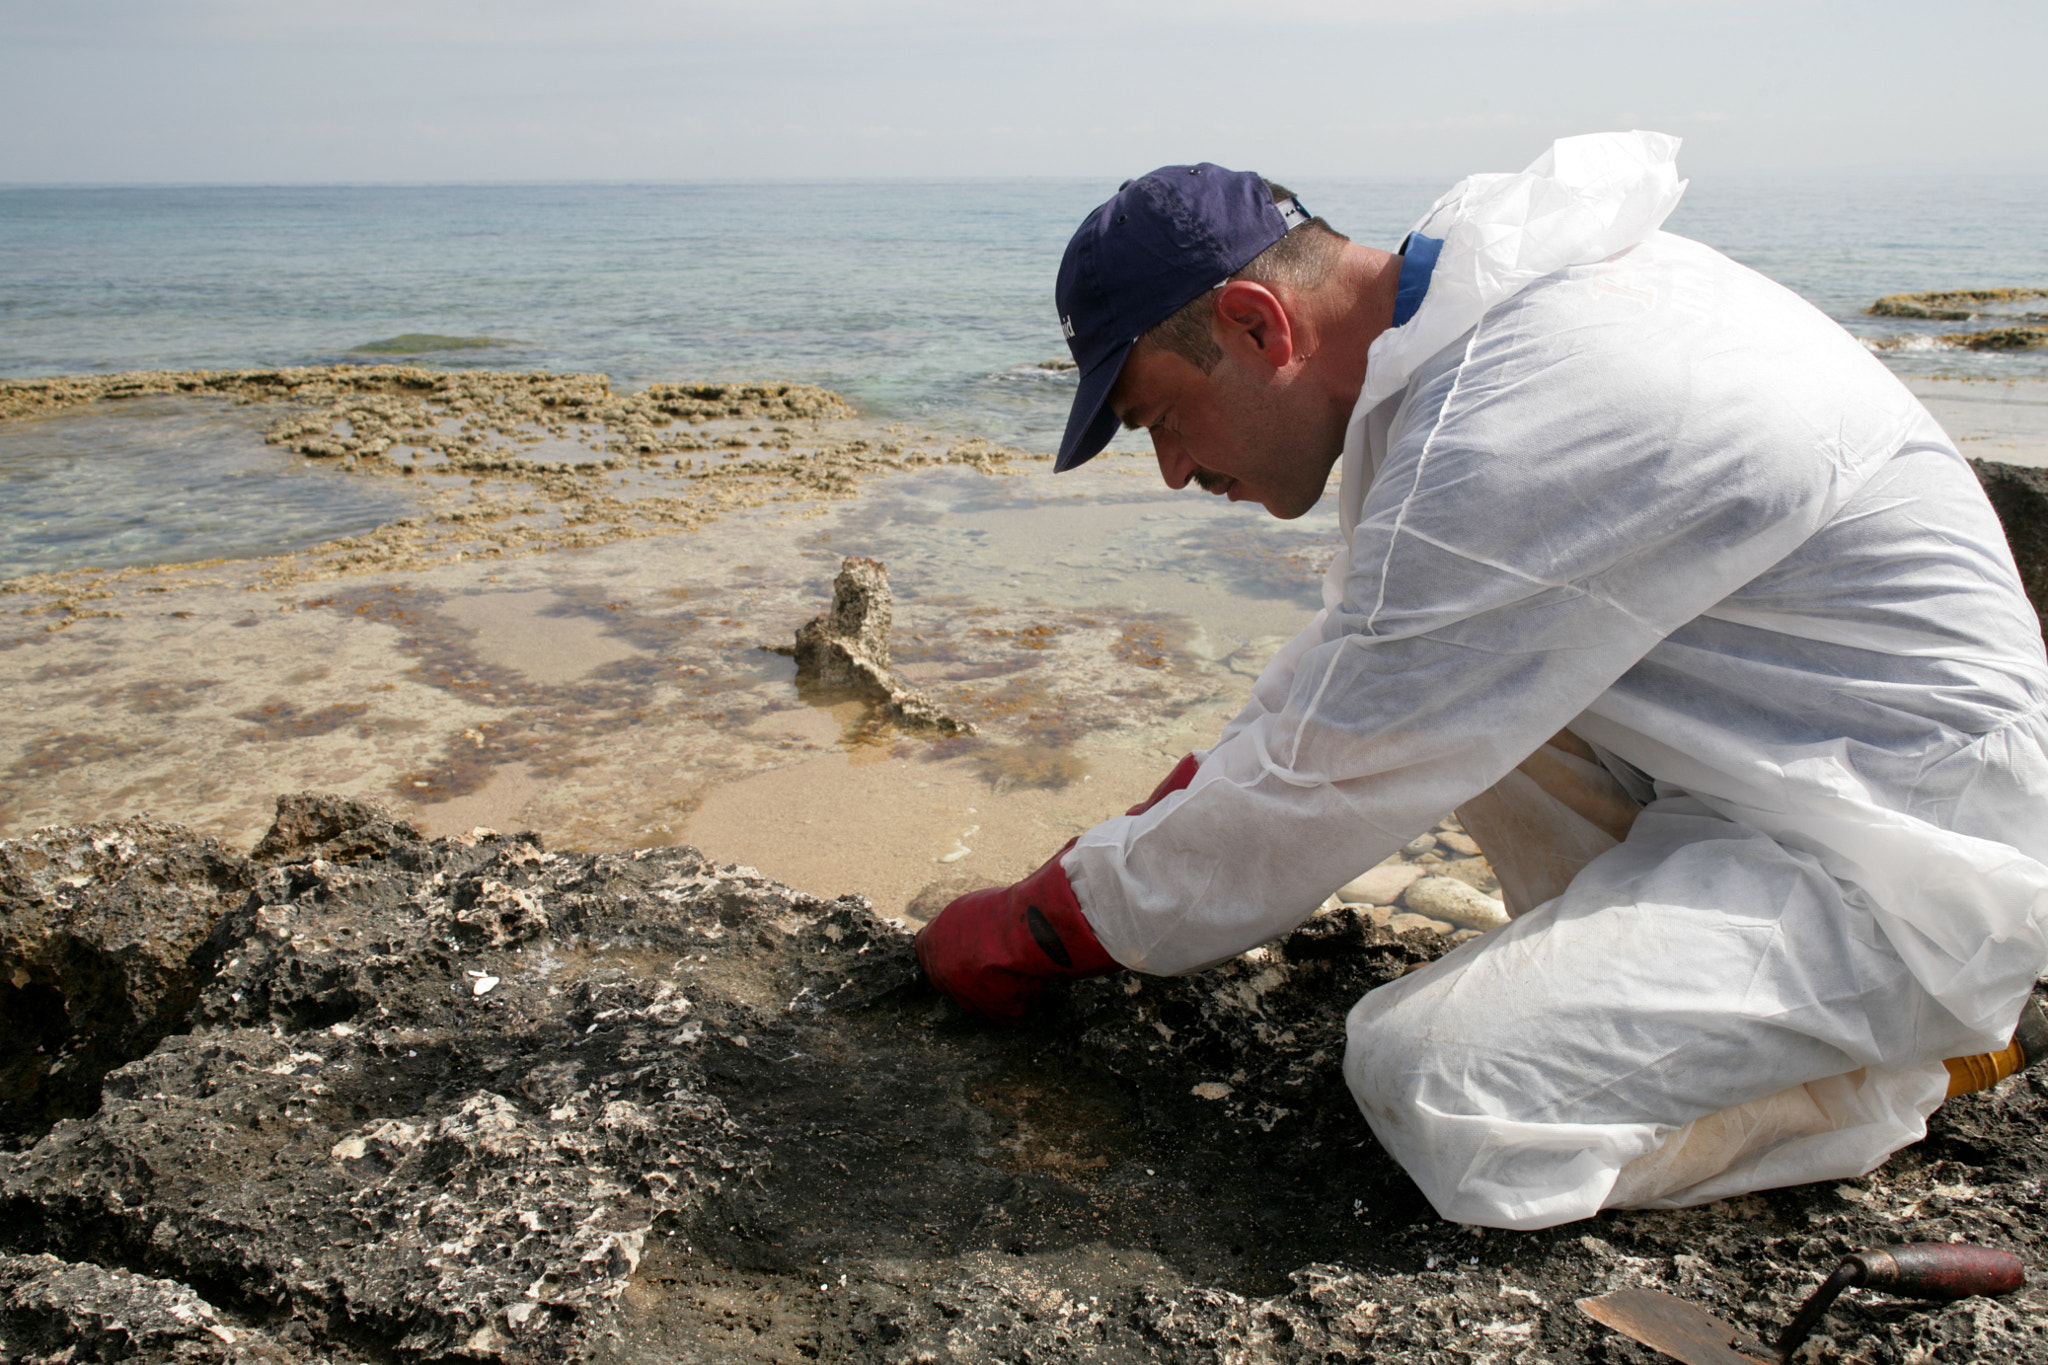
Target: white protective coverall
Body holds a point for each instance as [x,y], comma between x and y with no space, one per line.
[1607,479]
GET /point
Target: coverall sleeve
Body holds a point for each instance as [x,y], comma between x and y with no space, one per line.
[1572,483]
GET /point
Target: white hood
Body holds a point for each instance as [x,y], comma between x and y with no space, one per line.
[1583,200]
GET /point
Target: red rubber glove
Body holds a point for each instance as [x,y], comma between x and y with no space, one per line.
[1182,774]
[994,951]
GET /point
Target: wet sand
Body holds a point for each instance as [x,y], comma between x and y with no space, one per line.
[1991,419]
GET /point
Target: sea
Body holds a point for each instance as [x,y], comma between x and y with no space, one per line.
[924,302]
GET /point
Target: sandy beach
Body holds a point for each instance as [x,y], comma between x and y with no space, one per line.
[1991,419]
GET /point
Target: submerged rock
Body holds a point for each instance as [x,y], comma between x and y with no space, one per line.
[420,343]
[847,650]
[473,1100]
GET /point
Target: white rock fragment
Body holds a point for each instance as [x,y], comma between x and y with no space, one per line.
[1211,1090]
[483,985]
[1447,898]
[1381,886]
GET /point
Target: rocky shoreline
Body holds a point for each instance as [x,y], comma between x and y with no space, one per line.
[359,1095]
[2019,309]
[510,464]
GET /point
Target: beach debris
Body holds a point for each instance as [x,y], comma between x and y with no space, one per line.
[846,649]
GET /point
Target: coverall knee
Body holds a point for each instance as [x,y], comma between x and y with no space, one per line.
[1695,971]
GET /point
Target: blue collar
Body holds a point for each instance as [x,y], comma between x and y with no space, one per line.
[1418,259]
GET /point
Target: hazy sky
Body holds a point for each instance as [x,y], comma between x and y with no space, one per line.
[237,91]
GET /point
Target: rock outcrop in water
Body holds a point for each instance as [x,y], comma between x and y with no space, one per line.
[2012,307]
[1950,305]
[474,1100]
[1999,339]
[846,649]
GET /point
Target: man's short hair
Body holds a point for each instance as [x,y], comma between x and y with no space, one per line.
[1303,260]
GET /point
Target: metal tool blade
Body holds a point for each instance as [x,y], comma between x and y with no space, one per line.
[1672,1326]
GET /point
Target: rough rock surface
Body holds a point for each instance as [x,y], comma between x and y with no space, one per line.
[505,464]
[2019,493]
[472,1100]
[846,649]
[96,929]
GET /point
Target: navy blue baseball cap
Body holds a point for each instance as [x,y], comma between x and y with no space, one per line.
[1165,239]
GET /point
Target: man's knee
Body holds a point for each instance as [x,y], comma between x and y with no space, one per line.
[1425,1084]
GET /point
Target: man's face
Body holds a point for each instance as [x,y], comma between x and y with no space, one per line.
[1235,431]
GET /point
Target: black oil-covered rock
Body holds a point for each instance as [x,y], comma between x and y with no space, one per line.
[2019,494]
[97,926]
[471,1100]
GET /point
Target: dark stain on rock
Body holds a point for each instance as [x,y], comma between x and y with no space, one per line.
[2019,494]
[466,1099]
[98,926]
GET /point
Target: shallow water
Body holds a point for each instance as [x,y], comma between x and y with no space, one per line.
[168,480]
[1092,626]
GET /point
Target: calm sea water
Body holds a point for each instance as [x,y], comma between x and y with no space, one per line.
[928,302]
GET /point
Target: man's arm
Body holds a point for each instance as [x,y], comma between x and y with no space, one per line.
[1595,468]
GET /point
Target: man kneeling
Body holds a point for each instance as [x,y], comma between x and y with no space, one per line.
[1665,585]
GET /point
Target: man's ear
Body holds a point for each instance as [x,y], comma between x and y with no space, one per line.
[1252,322]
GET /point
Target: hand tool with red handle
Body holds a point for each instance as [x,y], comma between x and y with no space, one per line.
[1918,1270]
